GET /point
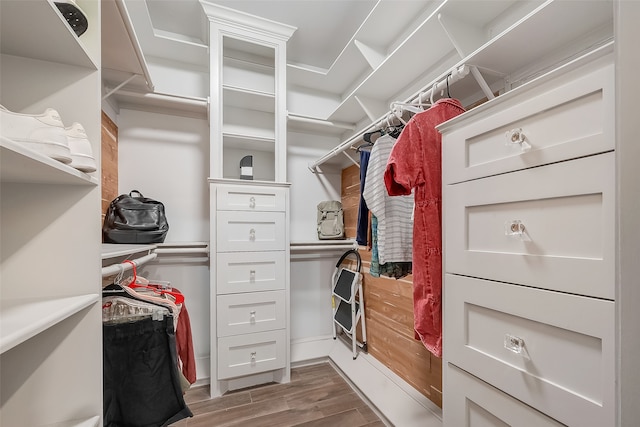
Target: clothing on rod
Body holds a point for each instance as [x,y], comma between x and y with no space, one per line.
[414,165]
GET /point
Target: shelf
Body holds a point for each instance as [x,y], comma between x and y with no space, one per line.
[22,319]
[90,422]
[19,164]
[248,142]
[113,250]
[37,30]
[249,99]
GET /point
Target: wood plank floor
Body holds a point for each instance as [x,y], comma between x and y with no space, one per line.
[317,396]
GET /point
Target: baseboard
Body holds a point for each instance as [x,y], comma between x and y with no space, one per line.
[310,350]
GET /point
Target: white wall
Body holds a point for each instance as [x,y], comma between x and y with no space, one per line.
[167,159]
[310,273]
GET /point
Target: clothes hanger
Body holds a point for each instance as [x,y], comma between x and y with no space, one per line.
[179,298]
[448,93]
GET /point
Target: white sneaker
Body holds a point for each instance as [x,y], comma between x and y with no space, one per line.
[81,153]
[43,133]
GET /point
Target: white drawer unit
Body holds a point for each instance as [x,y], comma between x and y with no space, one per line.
[236,198]
[560,121]
[551,350]
[240,355]
[250,231]
[529,254]
[474,403]
[250,271]
[550,227]
[250,332]
[251,312]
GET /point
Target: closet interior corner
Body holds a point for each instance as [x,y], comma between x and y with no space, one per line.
[480,152]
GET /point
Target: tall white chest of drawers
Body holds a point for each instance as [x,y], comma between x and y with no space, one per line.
[529,253]
[250,284]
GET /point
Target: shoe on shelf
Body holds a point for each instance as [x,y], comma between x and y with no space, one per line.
[43,133]
[75,17]
[81,152]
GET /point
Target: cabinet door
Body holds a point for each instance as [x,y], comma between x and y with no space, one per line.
[551,350]
[250,198]
[251,312]
[250,231]
[248,354]
[474,403]
[550,227]
[249,271]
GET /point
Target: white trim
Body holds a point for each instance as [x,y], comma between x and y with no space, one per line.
[227,16]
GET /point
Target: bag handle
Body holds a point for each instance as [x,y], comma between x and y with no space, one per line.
[346,254]
[135,191]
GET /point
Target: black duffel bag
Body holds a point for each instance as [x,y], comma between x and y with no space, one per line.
[134,219]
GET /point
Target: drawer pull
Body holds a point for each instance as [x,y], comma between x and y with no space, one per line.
[252,276]
[253,357]
[252,234]
[252,202]
[514,344]
[252,317]
[517,137]
[514,228]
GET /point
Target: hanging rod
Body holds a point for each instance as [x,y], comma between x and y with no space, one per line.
[110,270]
[457,73]
[183,248]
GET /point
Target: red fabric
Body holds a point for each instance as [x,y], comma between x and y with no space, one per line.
[184,344]
[415,163]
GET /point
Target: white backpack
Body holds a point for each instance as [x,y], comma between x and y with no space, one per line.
[330,220]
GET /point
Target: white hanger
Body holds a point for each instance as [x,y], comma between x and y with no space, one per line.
[433,91]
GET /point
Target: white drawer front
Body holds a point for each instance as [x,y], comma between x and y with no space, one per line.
[240,355]
[565,367]
[251,312]
[571,120]
[250,231]
[567,211]
[248,198]
[249,271]
[471,402]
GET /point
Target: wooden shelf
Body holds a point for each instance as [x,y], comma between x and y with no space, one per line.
[37,30]
[22,319]
[19,164]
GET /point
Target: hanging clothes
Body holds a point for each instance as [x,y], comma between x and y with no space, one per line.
[141,382]
[363,212]
[393,214]
[414,164]
[397,270]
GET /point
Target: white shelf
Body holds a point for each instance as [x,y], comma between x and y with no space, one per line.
[22,319]
[163,103]
[113,250]
[37,30]
[249,99]
[90,422]
[20,164]
[242,141]
[322,245]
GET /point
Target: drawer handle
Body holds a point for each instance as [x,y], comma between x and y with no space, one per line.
[252,234]
[517,137]
[252,276]
[253,357]
[252,317]
[252,202]
[514,228]
[514,344]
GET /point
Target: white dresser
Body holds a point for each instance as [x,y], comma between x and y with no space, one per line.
[529,253]
[250,284]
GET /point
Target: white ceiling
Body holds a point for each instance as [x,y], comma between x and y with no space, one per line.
[324,27]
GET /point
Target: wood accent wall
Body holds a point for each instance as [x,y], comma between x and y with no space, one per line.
[109,161]
[389,311]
